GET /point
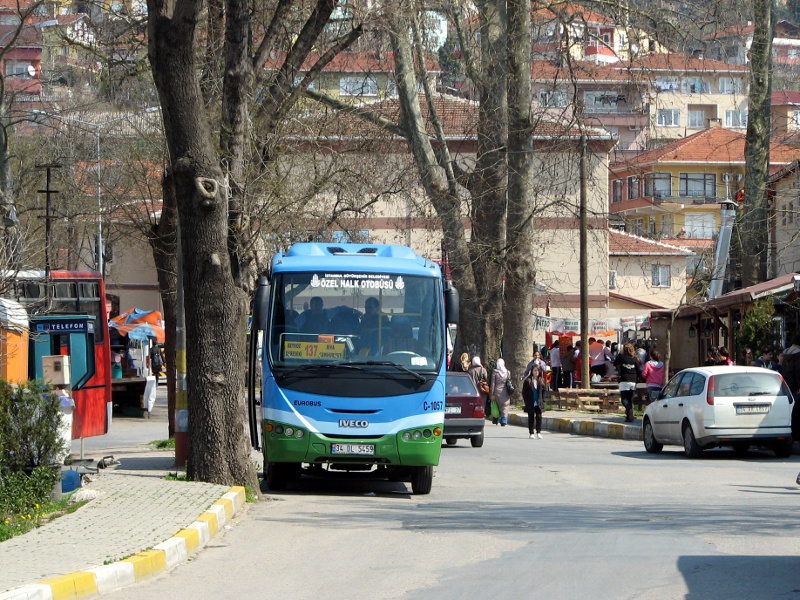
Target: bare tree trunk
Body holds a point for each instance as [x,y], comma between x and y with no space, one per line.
[439,183]
[488,184]
[753,224]
[520,268]
[219,448]
[164,242]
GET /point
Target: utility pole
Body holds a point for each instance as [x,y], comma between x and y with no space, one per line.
[48,192]
[584,269]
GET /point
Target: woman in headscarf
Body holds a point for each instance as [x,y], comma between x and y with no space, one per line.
[499,392]
[478,374]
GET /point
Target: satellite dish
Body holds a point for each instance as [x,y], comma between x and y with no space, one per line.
[31,71]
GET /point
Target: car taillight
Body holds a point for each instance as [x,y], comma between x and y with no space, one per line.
[479,412]
[710,391]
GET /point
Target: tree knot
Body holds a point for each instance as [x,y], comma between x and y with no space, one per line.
[207,188]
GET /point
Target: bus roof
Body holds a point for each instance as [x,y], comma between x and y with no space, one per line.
[365,258]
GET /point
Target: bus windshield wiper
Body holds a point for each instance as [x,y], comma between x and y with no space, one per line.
[388,363]
[315,366]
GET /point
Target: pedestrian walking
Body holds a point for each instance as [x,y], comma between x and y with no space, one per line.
[555,367]
[500,394]
[765,360]
[653,375]
[725,356]
[568,365]
[156,361]
[533,394]
[628,368]
[480,378]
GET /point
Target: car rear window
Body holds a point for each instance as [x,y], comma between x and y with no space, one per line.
[460,386]
[748,384]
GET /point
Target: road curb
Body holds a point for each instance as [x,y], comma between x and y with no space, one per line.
[588,426]
[142,565]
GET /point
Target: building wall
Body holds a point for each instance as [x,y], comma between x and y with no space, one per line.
[131,275]
[713,104]
[634,278]
[787,224]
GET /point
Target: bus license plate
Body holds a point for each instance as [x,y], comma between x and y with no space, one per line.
[747,409]
[360,449]
[452,409]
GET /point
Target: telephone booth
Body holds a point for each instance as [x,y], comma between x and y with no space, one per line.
[72,336]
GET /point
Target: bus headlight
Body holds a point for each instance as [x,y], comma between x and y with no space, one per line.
[416,435]
[299,433]
[289,431]
[406,436]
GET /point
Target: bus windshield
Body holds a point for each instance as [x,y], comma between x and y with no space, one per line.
[364,319]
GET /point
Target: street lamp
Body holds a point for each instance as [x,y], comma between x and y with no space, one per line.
[99,250]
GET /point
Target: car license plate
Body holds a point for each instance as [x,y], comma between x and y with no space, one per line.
[454,409]
[360,449]
[748,409]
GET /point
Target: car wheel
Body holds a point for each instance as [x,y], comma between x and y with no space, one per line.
[690,445]
[784,449]
[740,448]
[450,441]
[477,440]
[422,480]
[651,444]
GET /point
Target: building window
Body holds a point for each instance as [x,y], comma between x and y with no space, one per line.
[794,53]
[666,226]
[700,225]
[697,119]
[299,79]
[552,98]
[698,184]
[736,119]
[667,84]
[658,185]
[669,117]
[784,218]
[730,85]
[637,226]
[607,101]
[616,190]
[358,86]
[633,187]
[694,85]
[661,276]
[21,69]
[796,118]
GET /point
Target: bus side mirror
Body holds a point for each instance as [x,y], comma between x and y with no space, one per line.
[451,303]
[260,300]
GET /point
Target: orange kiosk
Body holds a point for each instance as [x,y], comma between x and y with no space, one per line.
[14,329]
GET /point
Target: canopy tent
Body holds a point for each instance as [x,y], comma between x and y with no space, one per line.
[139,324]
[597,327]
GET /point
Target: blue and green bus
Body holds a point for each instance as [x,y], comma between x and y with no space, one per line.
[353,354]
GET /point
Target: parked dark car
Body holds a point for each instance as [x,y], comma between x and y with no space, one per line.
[464,413]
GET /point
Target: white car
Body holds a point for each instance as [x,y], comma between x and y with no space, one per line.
[704,407]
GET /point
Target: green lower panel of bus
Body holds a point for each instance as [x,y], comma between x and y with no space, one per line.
[416,447]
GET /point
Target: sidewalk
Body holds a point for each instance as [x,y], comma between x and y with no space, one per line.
[141,524]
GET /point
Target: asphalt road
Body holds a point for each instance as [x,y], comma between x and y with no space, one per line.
[563,517]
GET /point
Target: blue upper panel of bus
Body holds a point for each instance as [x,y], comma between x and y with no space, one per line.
[364,258]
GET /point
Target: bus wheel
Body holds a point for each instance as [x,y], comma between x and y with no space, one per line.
[276,477]
[422,480]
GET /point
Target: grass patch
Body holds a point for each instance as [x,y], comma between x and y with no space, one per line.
[176,476]
[168,444]
[17,524]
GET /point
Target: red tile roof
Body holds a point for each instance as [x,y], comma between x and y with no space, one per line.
[459,118]
[621,243]
[785,97]
[716,145]
[732,31]
[567,10]
[642,68]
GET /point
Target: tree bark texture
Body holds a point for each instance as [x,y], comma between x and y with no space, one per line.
[219,448]
[440,186]
[164,242]
[520,266]
[753,218]
[488,185]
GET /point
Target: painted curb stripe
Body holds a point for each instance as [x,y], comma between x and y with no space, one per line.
[142,565]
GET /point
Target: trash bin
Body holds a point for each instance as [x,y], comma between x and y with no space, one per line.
[67,405]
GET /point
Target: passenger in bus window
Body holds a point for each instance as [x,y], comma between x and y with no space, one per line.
[314,319]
